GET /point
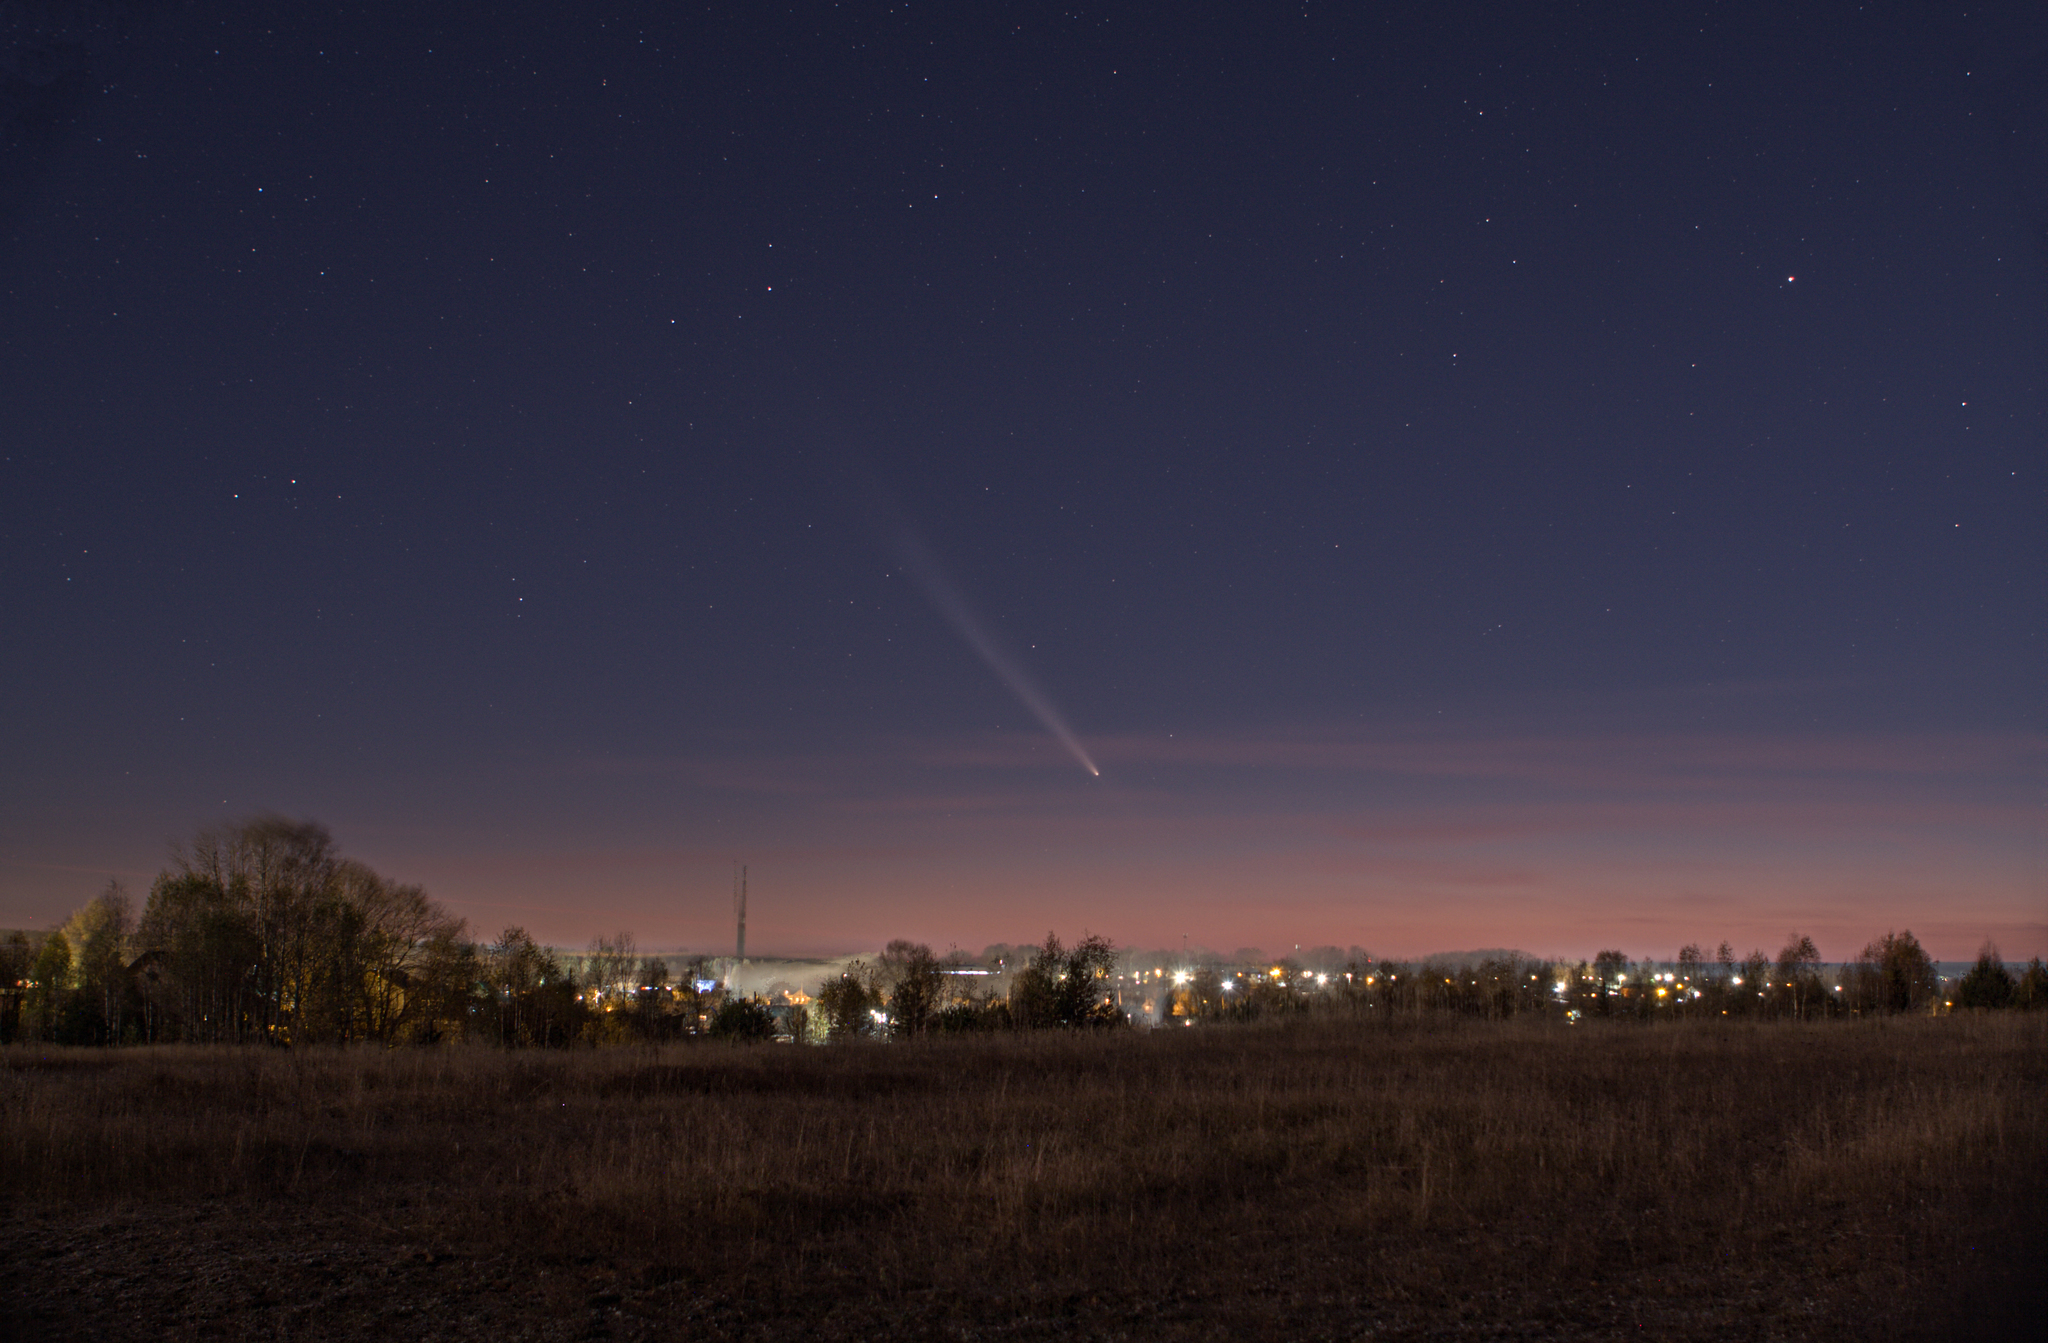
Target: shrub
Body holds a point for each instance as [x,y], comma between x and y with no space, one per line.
[743,1019]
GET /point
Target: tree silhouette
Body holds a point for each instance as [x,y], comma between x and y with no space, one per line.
[1989,983]
[1894,974]
[1063,986]
[914,981]
[1798,973]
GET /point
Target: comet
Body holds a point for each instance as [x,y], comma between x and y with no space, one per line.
[947,599]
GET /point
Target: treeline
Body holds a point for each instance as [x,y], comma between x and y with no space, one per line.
[1893,974]
[258,931]
[262,932]
[909,991]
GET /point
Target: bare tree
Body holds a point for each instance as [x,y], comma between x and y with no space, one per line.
[197,964]
[1610,970]
[16,959]
[262,929]
[1692,977]
[608,968]
[1798,972]
[847,1003]
[1752,981]
[49,980]
[2030,991]
[1064,986]
[536,998]
[281,875]
[401,947]
[98,935]
[1894,974]
[914,980]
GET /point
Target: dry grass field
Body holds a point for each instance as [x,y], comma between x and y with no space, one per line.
[1439,1179]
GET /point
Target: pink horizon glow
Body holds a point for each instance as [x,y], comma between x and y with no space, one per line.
[1403,843]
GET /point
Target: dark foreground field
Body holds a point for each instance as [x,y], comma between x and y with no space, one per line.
[1329,1180]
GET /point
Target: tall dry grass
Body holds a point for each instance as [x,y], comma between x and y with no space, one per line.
[1850,1155]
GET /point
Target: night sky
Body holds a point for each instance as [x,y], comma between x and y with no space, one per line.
[1487,475]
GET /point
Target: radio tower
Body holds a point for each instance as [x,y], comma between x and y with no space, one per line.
[739,909]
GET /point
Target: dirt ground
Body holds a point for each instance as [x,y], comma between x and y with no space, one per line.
[222,1271]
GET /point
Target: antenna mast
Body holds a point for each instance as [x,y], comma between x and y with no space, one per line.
[739,909]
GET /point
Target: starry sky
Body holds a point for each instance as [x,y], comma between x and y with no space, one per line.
[1465,475]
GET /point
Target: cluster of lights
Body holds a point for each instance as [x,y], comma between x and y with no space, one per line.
[1668,985]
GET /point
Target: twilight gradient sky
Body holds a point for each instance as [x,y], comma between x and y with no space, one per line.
[1546,476]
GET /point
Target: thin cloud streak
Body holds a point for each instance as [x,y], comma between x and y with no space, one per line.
[1251,776]
[1589,758]
[1398,840]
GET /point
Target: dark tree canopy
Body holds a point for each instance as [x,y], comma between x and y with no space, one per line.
[1894,974]
[1989,983]
[263,931]
[1063,986]
[914,981]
